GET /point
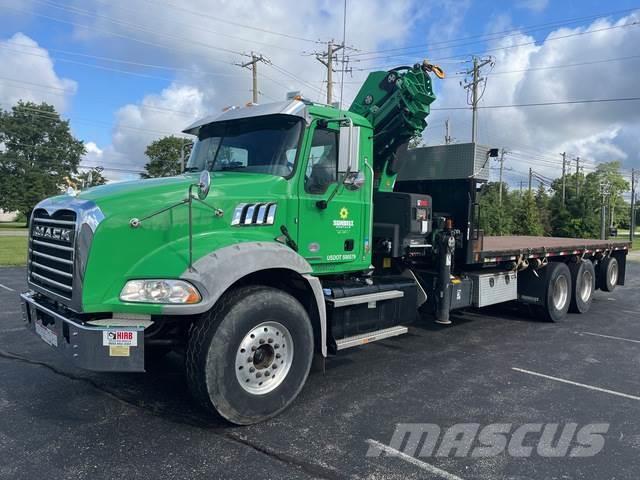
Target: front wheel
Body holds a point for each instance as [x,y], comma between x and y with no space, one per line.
[250,356]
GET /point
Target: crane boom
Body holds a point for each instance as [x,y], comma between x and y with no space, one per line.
[396,102]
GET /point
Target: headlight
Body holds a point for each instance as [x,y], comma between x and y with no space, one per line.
[160,291]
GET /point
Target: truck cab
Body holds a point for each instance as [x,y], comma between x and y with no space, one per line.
[304,148]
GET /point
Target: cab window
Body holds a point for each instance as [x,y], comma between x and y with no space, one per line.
[322,168]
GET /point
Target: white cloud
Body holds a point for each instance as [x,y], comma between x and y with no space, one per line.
[206,79]
[94,155]
[29,75]
[137,125]
[596,132]
[534,5]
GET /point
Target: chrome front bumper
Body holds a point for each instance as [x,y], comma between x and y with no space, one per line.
[103,349]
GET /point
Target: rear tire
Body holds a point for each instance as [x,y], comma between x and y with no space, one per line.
[583,279]
[608,272]
[249,357]
[557,292]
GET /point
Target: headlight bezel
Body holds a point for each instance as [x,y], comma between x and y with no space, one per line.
[160,291]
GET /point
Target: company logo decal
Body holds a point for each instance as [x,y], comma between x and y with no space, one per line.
[54,233]
[343,222]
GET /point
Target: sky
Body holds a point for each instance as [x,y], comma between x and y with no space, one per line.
[128,72]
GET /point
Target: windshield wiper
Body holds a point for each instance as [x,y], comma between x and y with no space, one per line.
[191,169]
[233,167]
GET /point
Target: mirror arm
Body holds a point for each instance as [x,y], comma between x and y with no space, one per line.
[135,222]
[218,211]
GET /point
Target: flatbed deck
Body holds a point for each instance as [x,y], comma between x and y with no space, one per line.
[510,247]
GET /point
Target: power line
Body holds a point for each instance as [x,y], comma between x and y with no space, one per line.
[135,39]
[80,11]
[201,14]
[545,104]
[126,72]
[112,59]
[45,113]
[550,67]
[46,87]
[492,36]
[293,76]
[560,37]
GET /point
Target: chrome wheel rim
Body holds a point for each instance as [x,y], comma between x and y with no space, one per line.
[613,273]
[587,286]
[264,358]
[560,292]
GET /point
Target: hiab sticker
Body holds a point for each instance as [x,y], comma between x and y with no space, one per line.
[125,338]
[343,222]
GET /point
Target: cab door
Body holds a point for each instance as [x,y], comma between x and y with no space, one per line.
[332,217]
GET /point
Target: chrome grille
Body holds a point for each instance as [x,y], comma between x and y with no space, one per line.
[51,251]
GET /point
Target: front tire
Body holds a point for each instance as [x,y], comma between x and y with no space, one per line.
[249,357]
[583,279]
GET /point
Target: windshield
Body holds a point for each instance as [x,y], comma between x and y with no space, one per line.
[254,145]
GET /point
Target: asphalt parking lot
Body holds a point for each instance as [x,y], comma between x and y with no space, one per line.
[495,366]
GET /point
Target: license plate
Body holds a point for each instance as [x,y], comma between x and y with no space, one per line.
[47,335]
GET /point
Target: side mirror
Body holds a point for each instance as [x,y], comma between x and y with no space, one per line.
[349,149]
[204,184]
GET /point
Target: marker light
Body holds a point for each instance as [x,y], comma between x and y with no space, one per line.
[160,291]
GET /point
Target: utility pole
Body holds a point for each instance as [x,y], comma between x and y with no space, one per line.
[564,172]
[632,223]
[327,59]
[577,177]
[521,183]
[183,156]
[473,87]
[502,154]
[253,64]
[530,175]
[604,191]
[447,135]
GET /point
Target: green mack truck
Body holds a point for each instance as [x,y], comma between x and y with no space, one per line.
[297,229]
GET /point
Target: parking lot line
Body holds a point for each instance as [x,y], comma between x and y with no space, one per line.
[9,330]
[608,336]
[414,461]
[583,385]
[6,288]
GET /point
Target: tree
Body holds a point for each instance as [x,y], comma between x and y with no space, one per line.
[39,153]
[542,202]
[495,219]
[580,216]
[165,157]
[527,217]
[90,178]
[617,209]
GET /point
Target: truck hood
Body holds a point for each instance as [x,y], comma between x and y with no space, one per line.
[158,247]
[140,197]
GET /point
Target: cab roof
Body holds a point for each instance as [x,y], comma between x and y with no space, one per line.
[301,108]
